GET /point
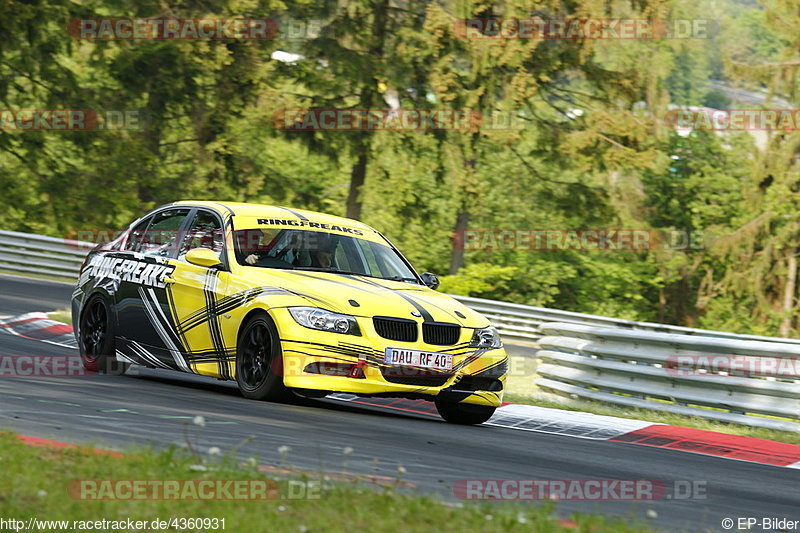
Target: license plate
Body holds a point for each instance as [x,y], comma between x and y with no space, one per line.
[403,357]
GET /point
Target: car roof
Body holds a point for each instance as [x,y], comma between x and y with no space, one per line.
[272,211]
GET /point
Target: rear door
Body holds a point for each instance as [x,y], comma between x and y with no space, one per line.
[146,331]
[197,299]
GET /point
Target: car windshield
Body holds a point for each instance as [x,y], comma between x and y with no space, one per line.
[297,249]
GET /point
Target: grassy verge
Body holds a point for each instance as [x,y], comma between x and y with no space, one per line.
[599,408]
[35,481]
[61,315]
[38,276]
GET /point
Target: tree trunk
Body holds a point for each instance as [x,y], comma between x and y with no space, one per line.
[457,257]
[357,176]
[152,134]
[788,294]
[468,185]
[358,173]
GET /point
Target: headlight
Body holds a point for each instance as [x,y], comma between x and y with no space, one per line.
[485,338]
[316,318]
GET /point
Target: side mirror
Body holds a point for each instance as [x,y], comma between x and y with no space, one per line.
[203,257]
[430,280]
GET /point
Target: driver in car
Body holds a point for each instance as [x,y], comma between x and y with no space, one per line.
[312,249]
[255,244]
[322,252]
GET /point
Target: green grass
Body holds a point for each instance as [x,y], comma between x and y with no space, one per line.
[61,315]
[35,480]
[38,276]
[599,408]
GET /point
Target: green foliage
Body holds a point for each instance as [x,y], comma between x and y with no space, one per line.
[590,149]
[480,279]
[302,501]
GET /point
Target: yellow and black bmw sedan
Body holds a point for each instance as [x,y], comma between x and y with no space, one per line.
[283,300]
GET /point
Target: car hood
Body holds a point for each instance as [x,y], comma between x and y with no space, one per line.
[365,296]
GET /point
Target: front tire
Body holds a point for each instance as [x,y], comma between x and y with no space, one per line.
[463,413]
[96,341]
[259,361]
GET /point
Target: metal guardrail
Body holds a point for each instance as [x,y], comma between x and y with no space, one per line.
[518,322]
[724,379]
[621,362]
[28,253]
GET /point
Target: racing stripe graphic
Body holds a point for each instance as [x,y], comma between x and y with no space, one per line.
[213,324]
[156,314]
[417,306]
[426,316]
[469,359]
[325,303]
[224,305]
[124,358]
[146,356]
[295,213]
[176,348]
[352,351]
[125,353]
[344,352]
[374,358]
[334,281]
[426,300]
[208,356]
[174,311]
[495,370]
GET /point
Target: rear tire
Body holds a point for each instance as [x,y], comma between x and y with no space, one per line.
[96,341]
[259,361]
[463,413]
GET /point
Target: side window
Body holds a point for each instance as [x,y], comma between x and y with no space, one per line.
[137,236]
[205,232]
[162,234]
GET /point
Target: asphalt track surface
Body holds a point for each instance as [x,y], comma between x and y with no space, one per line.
[156,407]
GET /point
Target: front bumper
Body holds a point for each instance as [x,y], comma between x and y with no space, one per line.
[323,361]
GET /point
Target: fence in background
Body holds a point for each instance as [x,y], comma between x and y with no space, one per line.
[523,323]
[675,373]
[28,253]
